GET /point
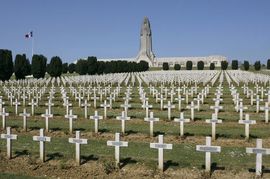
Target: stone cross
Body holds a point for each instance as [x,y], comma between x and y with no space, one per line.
[67,105]
[123,119]
[179,99]
[161,101]
[240,108]
[70,117]
[24,115]
[266,111]
[105,106]
[125,106]
[47,115]
[78,141]
[117,144]
[33,104]
[42,139]
[49,104]
[16,103]
[4,114]
[169,106]
[24,97]
[208,149]
[259,151]
[247,122]
[1,104]
[96,117]
[192,107]
[9,137]
[181,121]
[216,108]
[151,119]
[160,146]
[213,121]
[85,105]
[258,103]
[146,106]
[95,98]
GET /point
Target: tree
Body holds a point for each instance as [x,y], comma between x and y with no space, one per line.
[82,67]
[246,65]
[142,66]
[38,67]
[65,68]
[200,65]
[21,67]
[165,66]
[234,64]
[224,65]
[189,65]
[257,65]
[71,68]
[177,67]
[268,64]
[212,66]
[55,67]
[6,64]
[92,65]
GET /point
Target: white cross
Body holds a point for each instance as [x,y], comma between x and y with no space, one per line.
[208,149]
[147,106]
[125,106]
[67,104]
[216,108]
[258,103]
[117,144]
[32,106]
[78,141]
[123,119]
[181,121]
[85,105]
[105,106]
[266,111]
[70,117]
[96,117]
[4,114]
[259,151]
[24,115]
[151,119]
[49,104]
[9,137]
[95,100]
[16,103]
[213,121]
[161,101]
[160,146]
[192,107]
[179,99]
[47,115]
[42,139]
[247,122]
[241,108]
[169,106]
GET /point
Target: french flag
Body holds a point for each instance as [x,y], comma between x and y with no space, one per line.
[29,35]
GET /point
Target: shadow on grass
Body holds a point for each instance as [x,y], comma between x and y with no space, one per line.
[53,156]
[79,129]
[264,170]
[156,133]
[14,126]
[103,130]
[250,136]
[131,132]
[126,161]
[222,136]
[21,153]
[170,163]
[34,128]
[214,167]
[55,129]
[85,159]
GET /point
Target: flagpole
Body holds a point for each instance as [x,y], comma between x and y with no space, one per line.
[32,46]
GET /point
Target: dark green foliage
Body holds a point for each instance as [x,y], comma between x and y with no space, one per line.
[212,66]
[177,66]
[101,67]
[39,64]
[189,65]
[92,65]
[257,65]
[224,65]
[71,68]
[200,65]
[82,67]
[6,64]
[246,65]
[234,64]
[65,68]
[22,67]
[143,66]
[55,67]
[165,66]
[268,64]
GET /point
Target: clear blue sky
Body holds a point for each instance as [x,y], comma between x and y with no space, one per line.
[238,29]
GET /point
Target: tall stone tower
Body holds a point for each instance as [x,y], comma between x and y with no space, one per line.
[146,53]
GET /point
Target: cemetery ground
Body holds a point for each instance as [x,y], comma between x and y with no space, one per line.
[138,160]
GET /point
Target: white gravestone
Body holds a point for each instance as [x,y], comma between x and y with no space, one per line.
[191,107]
[169,106]
[208,149]
[70,117]
[266,111]
[160,146]
[4,115]
[151,120]
[85,105]
[9,137]
[16,103]
[105,106]
[213,121]
[42,139]
[47,115]
[78,141]
[24,115]
[181,121]
[32,104]
[96,117]
[117,144]
[259,151]
[123,119]
[247,122]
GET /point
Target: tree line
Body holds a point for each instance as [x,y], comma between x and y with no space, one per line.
[38,67]
[224,65]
